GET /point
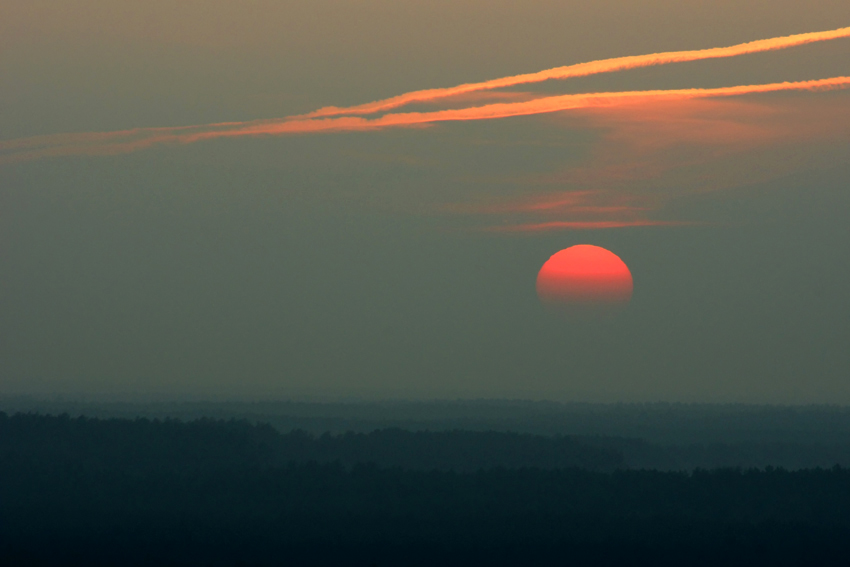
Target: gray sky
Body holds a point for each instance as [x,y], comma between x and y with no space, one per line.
[376,263]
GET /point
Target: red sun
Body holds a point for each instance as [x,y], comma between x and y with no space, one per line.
[584,278]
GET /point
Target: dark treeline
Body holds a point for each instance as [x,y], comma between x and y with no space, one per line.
[659,423]
[85,491]
[143,443]
[658,436]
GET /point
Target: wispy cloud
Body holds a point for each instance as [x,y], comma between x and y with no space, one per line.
[581,225]
[335,119]
[646,135]
[565,210]
[584,70]
[650,157]
[130,140]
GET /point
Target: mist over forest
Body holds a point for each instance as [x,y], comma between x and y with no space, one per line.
[660,436]
[449,483]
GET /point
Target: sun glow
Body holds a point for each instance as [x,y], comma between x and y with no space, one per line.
[584,278]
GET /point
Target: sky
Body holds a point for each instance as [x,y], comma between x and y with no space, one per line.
[291,200]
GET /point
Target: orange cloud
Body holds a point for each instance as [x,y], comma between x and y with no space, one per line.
[542,105]
[663,146]
[571,202]
[573,210]
[580,225]
[651,125]
[652,142]
[583,70]
[652,152]
[130,140]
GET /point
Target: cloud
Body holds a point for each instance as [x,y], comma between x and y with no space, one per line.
[665,147]
[651,156]
[581,225]
[651,145]
[583,70]
[584,202]
[131,140]
[334,119]
[566,210]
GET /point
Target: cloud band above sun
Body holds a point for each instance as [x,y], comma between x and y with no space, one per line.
[130,140]
[591,207]
[584,70]
[335,119]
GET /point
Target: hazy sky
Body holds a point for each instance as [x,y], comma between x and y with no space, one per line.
[391,252]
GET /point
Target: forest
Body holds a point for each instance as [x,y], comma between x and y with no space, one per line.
[87,491]
[661,436]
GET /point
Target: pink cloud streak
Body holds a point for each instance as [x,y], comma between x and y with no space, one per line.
[585,69]
[581,225]
[131,140]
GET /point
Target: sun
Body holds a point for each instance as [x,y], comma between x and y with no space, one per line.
[584,278]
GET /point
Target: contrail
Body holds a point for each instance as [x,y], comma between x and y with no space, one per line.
[131,140]
[583,70]
[505,110]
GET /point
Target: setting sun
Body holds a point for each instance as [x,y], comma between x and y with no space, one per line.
[584,276]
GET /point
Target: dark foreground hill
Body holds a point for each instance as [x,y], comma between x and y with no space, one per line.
[93,492]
